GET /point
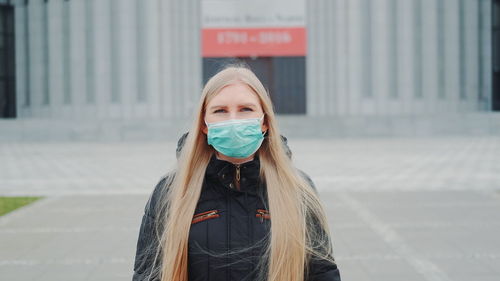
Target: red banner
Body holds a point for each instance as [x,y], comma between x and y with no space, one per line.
[245,42]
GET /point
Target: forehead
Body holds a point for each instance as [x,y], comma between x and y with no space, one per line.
[234,94]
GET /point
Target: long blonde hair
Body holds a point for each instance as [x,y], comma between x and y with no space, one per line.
[299,229]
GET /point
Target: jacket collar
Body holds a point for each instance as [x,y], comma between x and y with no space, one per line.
[224,172]
[221,171]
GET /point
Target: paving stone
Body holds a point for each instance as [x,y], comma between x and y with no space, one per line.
[425,209]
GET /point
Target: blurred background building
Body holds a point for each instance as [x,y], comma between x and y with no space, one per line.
[125,69]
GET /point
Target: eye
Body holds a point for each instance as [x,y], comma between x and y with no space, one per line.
[219,110]
[247,109]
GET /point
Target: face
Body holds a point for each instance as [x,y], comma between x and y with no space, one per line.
[235,101]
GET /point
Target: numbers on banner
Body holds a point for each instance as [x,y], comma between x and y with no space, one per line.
[262,37]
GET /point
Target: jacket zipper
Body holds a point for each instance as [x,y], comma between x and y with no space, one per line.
[205,215]
[262,214]
[228,237]
[238,173]
[236,183]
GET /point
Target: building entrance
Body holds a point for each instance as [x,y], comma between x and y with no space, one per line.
[283,77]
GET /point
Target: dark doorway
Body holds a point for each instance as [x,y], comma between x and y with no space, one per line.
[7,63]
[284,78]
[495,95]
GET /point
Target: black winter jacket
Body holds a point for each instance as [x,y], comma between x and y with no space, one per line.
[225,219]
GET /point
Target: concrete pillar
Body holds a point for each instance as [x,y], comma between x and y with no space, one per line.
[165,58]
[452,56]
[90,74]
[143,33]
[405,53]
[180,64]
[471,59]
[485,54]
[150,52]
[78,63]
[194,68]
[178,57]
[102,54]
[127,54]
[327,49]
[442,101]
[380,60]
[23,107]
[175,64]
[55,63]
[393,97]
[330,92]
[312,60]
[430,57]
[319,49]
[342,57]
[355,54]
[115,107]
[36,59]
[417,56]
[67,108]
[367,97]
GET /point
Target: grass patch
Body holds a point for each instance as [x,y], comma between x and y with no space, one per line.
[8,204]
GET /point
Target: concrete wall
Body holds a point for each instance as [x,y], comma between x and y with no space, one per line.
[131,59]
[398,57]
[107,59]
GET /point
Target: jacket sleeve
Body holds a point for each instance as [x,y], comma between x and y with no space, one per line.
[147,242]
[320,269]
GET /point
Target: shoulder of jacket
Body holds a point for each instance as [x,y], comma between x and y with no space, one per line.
[308,180]
[158,192]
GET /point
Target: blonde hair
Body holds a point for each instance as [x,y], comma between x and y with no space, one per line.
[299,229]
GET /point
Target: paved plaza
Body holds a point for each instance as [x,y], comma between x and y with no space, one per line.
[399,208]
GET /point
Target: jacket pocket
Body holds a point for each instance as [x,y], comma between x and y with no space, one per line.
[212,214]
[263,214]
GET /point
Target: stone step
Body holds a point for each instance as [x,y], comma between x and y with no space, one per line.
[28,129]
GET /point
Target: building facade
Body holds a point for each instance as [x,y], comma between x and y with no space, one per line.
[131,59]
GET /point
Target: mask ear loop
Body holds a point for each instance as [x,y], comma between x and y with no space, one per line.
[261,118]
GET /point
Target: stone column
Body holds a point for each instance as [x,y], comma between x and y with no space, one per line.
[471,59]
[165,58]
[405,53]
[356,64]
[55,41]
[151,55]
[341,56]
[78,63]
[452,55]
[102,55]
[429,56]
[380,60]
[127,56]
[23,106]
[193,75]
[36,59]
[485,54]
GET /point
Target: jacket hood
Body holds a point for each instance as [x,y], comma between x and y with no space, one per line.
[182,140]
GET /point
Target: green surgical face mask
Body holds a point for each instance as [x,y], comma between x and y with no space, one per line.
[238,138]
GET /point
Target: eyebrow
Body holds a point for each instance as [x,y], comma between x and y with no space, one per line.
[241,105]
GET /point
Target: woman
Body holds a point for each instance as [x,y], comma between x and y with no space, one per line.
[235,208]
